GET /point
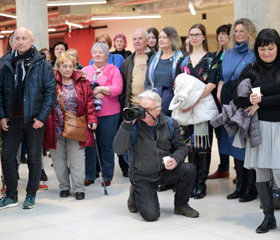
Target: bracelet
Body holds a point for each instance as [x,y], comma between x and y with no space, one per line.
[102,89]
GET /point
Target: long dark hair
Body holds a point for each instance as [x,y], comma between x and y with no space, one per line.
[155,32]
[265,37]
[202,28]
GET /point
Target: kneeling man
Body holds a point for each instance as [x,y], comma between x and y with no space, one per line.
[155,139]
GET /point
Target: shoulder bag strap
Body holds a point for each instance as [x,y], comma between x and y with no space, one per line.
[237,66]
[60,97]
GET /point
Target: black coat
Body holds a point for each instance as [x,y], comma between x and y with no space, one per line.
[39,91]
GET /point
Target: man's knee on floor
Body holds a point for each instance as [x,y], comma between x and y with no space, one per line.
[150,216]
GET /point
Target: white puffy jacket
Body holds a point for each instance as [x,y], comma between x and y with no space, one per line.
[188,90]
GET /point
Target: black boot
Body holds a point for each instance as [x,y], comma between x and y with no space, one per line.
[202,174]
[265,194]
[276,199]
[240,184]
[193,158]
[250,192]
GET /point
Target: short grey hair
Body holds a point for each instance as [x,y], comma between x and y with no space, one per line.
[143,31]
[103,46]
[151,95]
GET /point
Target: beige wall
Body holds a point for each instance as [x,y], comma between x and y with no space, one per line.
[181,21]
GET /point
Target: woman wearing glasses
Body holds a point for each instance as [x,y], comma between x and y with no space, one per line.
[199,63]
[110,83]
[243,35]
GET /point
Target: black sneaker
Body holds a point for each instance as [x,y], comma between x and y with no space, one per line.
[44,176]
[186,210]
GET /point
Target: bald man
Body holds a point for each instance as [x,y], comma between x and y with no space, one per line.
[27,96]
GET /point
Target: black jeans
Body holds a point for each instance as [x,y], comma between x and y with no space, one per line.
[11,140]
[145,193]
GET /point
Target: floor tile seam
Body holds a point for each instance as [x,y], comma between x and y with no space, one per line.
[146,232]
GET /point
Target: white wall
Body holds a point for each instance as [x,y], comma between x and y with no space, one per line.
[181,21]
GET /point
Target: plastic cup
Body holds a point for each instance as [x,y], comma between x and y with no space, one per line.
[257,90]
[165,160]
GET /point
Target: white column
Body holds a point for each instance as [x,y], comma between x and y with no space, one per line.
[264,13]
[33,14]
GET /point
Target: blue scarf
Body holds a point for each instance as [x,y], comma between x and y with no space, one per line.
[175,58]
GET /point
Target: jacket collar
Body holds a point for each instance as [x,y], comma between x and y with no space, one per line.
[75,76]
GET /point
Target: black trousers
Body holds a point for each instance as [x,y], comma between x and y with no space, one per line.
[11,140]
[145,193]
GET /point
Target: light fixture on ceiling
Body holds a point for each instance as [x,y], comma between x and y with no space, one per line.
[51,30]
[191,8]
[73,24]
[1,36]
[204,17]
[110,17]
[8,15]
[68,3]
[7,31]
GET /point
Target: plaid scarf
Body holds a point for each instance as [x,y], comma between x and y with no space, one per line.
[21,64]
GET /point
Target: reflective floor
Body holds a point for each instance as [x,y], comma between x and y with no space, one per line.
[105,217]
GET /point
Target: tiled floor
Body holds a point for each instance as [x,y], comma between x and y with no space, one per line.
[106,217]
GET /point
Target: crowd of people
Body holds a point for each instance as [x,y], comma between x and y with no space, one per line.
[172,91]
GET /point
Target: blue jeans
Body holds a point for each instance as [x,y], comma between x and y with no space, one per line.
[105,133]
[11,140]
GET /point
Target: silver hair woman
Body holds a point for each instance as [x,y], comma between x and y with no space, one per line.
[107,82]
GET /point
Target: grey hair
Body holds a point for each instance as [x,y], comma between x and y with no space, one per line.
[103,46]
[143,31]
[151,95]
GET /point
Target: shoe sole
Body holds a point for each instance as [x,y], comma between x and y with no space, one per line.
[195,216]
[9,206]
[28,207]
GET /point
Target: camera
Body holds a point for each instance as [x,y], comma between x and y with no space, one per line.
[136,112]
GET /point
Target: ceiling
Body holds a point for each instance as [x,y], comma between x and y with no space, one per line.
[82,14]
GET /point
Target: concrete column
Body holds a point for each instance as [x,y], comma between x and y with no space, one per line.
[264,13]
[33,14]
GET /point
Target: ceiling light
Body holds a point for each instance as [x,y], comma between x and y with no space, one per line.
[191,8]
[8,15]
[51,30]
[67,3]
[7,31]
[1,36]
[73,24]
[109,17]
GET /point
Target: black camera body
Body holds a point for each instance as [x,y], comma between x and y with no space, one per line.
[136,112]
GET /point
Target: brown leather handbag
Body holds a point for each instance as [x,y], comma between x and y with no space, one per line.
[74,127]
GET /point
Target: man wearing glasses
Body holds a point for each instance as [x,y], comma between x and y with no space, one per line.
[146,167]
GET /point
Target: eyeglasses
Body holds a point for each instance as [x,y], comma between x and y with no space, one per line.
[240,32]
[151,109]
[197,35]
[64,66]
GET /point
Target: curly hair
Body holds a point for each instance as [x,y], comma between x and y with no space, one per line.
[250,29]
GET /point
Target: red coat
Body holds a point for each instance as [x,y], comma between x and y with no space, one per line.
[85,106]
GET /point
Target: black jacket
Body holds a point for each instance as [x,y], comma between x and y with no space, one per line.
[39,91]
[148,153]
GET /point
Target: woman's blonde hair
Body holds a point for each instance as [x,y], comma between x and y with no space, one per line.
[63,57]
[250,29]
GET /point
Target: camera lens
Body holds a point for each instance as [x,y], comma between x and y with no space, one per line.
[129,114]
